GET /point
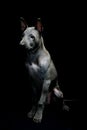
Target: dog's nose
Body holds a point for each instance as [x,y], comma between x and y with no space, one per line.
[22,42]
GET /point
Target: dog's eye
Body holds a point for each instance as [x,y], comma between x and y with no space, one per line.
[31,36]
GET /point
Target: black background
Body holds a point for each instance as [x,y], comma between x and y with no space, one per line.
[63,33]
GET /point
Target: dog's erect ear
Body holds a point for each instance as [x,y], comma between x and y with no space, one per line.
[23,24]
[39,25]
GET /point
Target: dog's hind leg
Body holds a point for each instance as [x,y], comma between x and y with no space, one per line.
[59,94]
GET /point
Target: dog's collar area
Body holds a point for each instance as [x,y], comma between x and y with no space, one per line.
[34,49]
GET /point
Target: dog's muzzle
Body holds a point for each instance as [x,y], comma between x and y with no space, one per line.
[22,42]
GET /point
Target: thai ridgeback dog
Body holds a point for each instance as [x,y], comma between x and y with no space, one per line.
[41,69]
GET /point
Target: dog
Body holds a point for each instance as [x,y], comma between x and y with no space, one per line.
[40,68]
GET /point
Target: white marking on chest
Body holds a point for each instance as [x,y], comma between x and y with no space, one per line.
[34,66]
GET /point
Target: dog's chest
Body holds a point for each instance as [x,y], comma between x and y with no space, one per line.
[34,67]
[35,72]
[32,64]
[32,59]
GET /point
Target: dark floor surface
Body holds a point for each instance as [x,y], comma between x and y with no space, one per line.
[53,118]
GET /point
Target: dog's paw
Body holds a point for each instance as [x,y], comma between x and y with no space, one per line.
[38,117]
[31,113]
[66,108]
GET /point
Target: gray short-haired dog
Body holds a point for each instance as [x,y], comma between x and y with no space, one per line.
[41,69]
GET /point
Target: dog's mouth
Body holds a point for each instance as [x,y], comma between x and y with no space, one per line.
[34,49]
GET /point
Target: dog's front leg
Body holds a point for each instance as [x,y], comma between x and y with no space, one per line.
[38,116]
[32,112]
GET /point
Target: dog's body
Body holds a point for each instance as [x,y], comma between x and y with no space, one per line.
[41,69]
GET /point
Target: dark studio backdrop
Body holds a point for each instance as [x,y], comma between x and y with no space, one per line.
[63,39]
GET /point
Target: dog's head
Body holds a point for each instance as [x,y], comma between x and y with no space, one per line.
[31,36]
